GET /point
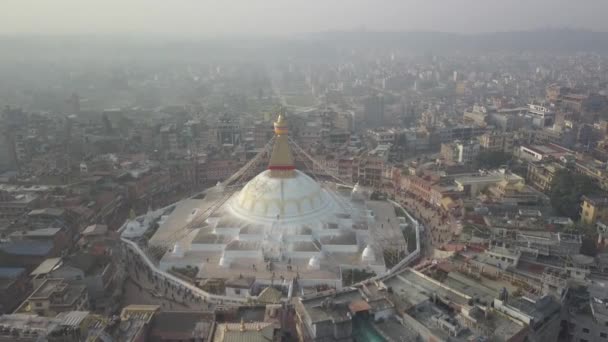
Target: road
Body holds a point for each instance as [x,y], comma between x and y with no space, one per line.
[439,227]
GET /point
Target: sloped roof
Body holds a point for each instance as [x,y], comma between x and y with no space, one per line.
[46,266]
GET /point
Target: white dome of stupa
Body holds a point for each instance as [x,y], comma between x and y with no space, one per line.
[291,199]
[368,254]
[282,192]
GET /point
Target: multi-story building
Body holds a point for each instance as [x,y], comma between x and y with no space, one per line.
[346,168]
[227,131]
[459,152]
[97,273]
[54,296]
[496,142]
[472,185]
[587,314]
[535,153]
[168,138]
[383,136]
[477,116]
[217,169]
[372,166]
[416,307]
[47,217]
[421,187]
[69,326]
[459,132]
[15,206]
[60,238]
[540,175]
[541,116]
[594,208]
[541,243]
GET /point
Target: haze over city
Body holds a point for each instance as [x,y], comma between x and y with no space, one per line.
[280,17]
[303,171]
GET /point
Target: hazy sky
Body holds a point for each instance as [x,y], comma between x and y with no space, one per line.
[213,17]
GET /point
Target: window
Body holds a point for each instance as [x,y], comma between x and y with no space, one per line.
[603,335]
[38,305]
[585,330]
[583,340]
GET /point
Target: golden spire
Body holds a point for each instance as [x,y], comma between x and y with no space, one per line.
[281,160]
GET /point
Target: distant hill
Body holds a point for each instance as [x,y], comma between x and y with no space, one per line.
[549,40]
[320,46]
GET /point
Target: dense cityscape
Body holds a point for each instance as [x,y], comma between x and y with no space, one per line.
[351,186]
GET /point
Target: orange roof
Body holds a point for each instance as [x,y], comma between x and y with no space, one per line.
[358,306]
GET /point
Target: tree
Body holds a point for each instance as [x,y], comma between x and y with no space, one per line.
[492,159]
[567,189]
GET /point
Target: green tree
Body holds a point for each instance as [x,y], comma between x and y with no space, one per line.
[567,189]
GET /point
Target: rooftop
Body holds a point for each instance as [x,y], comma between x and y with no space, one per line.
[244,332]
[46,266]
[43,232]
[95,229]
[27,247]
[11,272]
[47,212]
[182,325]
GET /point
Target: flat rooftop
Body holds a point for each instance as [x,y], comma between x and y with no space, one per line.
[185,211]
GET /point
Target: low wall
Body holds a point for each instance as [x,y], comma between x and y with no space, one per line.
[179,282]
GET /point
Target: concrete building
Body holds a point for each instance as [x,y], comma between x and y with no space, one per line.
[54,296]
[168,138]
[47,217]
[496,142]
[227,131]
[593,209]
[541,116]
[536,153]
[383,136]
[135,323]
[460,152]
[413,306]
[69,326]
[540,175]
[478,115]
[13,206]
[587,315]
[474,184]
